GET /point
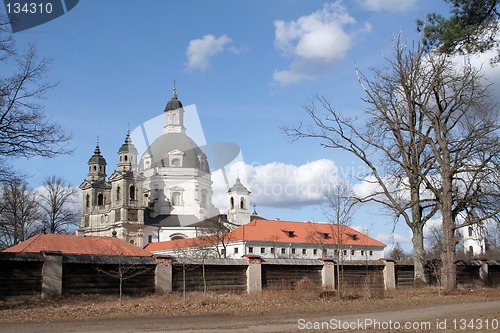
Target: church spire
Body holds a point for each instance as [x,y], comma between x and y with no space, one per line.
[174,115]
[174,92]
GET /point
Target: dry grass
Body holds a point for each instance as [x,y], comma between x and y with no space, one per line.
[303,299]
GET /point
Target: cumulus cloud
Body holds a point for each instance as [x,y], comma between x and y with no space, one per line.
[314,42]
[200,51]
[278,184]
[387,5]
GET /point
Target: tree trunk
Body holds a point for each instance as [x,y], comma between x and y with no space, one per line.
[419,277]
[448,257]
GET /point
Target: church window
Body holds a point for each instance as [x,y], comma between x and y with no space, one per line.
[242,203]
[120,158]
[95,168]
[174,119]
[168,119]
[147,164]
[231,202]
[132,192]
[176,162]
[125,158]
[100,167]
[100,199]
[118,193]
[470,231]
[87,201]
[176,198]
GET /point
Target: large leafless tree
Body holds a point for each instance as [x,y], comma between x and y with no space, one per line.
[25,130]
[430,129]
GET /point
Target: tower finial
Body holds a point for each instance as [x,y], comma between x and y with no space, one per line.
[174,94]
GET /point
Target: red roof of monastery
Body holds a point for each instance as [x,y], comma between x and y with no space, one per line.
[277,231]
[71,244]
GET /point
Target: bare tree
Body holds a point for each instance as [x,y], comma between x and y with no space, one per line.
[57,201]
[339,212]
[25,130]
[388,144]
[430,123]
[19,213]
[124,271]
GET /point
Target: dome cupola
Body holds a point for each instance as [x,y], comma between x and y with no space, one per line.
[97,165]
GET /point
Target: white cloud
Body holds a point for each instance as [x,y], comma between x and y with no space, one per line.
[315,42]
[387,5]
[200,51]
[278,184]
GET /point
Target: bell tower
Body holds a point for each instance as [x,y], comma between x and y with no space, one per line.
[238,212]
[174,115]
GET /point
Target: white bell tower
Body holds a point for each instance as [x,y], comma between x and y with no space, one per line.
[238,212]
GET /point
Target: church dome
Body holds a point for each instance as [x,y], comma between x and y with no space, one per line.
[128,147]
[97,158]
[238,187]
[174,102]
[175,146]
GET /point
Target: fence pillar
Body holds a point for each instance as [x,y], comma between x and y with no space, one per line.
[389,274]
[328,274]
[254,273]
[484,274]
[52,273]
[163,274]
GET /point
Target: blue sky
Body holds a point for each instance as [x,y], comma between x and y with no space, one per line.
[247,66]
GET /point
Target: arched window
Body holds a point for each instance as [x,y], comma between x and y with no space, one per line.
[100,199]
[242,203]
[125,157]
[87,201]
[471,230]
[95,168]
[174,119]
[231,201]
[118,193]
[176,198]
[132,192]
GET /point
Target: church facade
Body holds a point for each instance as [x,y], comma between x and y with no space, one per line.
[165,194]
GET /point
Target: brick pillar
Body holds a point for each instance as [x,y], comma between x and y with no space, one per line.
[254,273]
[484,274]
[389,274]
[163,274]
[52,273]
[328,274]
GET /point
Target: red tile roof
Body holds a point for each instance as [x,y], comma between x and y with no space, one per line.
[277,231]
[70,244]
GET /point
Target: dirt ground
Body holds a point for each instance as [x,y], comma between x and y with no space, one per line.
[410,310]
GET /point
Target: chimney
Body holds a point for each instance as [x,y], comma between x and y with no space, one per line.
[80,232]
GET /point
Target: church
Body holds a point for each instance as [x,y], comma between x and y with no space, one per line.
[165,194]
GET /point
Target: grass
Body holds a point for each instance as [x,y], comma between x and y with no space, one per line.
[301,300]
